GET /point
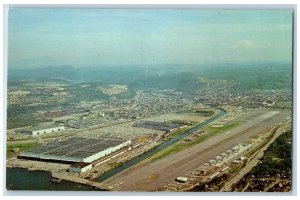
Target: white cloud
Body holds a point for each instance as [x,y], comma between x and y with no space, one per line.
[245,44]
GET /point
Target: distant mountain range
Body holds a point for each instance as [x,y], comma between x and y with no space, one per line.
[248,75]
[45,73]
[93,73]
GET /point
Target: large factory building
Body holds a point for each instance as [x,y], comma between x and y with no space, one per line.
[43,129]
[76,150]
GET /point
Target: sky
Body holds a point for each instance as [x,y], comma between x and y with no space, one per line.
[40,37]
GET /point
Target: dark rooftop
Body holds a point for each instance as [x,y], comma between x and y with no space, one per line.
[77,147]
[161,126]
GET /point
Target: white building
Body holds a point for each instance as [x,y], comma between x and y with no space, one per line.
[43,129]
[81,152]
[229,152]
[182,179]
[105,151]
[214,176]
[219,158]
[80,167]
[224,155]
[212,162]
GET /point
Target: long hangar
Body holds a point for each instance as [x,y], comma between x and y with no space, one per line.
[76,150]
[43,129]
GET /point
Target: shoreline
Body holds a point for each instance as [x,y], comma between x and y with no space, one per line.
[74,179]
[60,173]
[40,180]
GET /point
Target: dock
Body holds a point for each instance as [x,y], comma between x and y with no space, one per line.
[72,178]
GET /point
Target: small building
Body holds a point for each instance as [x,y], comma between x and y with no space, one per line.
[229,152]
[242,158]
[247,145]
[188,139]
[214,176]
[219,158]
[224,155]
[268,103]
[43,129]
[80,167]
[212,162]
[224,169]
[237,162]
[236,149]
[182,179]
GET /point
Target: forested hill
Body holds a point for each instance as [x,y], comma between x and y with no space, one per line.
[178,77]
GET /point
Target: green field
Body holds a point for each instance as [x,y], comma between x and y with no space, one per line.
[180,145]
[254,137]
[179,132]
[284,105]
[213,130]
[13,149]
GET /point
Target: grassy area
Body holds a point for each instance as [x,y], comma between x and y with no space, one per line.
[213,130]
[17,121]
[284,104]
[234,168]
[206,113]
[254,137]
[180,146]
[14,149]
[179,132]
[277,160]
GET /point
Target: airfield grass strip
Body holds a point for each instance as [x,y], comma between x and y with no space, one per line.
[179,146]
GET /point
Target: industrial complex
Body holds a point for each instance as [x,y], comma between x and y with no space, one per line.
[161,126]
[76,150]
[102,158]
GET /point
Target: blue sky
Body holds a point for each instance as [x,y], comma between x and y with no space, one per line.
[39,37]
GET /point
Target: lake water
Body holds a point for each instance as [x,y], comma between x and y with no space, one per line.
[22,179]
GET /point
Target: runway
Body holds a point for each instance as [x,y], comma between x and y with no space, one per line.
[147,176]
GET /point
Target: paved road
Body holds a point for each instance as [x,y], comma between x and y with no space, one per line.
[147,176]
